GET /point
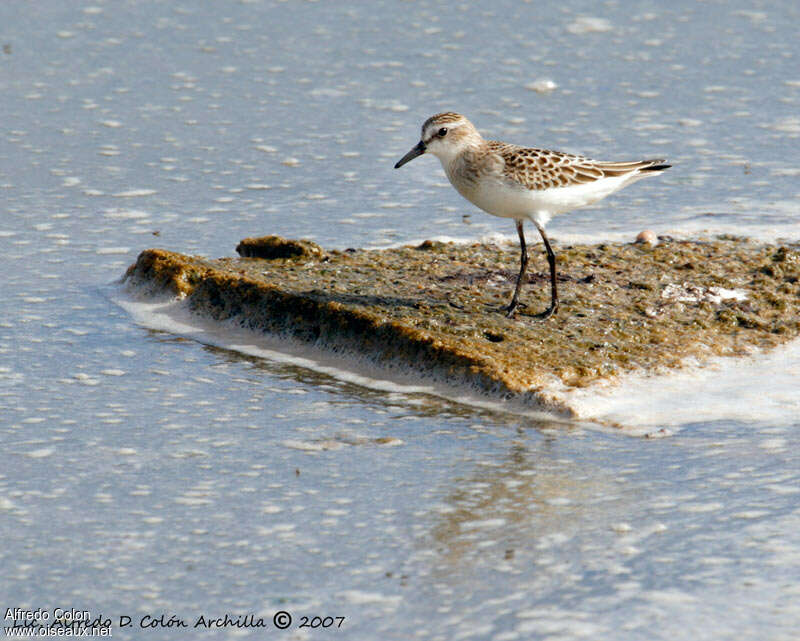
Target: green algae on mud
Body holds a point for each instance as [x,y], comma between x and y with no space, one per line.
[437,308]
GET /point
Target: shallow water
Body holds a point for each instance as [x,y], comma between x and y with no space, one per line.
[145,473]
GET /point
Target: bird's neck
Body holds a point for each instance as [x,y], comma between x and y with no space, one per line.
[474,145]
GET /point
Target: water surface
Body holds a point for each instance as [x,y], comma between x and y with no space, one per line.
[145,473]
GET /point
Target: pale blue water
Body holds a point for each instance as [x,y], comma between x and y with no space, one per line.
[145,474]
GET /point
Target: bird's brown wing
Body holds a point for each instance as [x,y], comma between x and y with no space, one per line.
[540,169]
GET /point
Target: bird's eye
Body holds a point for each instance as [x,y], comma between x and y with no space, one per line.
[442,132]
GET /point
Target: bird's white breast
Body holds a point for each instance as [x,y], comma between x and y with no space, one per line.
[501,197]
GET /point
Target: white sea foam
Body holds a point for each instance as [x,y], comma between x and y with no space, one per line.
[760,388]
[557,238]
[776,223]
[789,125]
[543,85]
[135,193]
[586,24]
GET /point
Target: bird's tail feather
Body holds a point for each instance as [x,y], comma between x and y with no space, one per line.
[622,168]
[658,165]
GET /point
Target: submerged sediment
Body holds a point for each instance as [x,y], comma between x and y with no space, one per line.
[437,308]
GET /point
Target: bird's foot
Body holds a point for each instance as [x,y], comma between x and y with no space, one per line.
[550,311]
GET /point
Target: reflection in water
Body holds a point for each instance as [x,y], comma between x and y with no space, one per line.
[527,502]
[414,404]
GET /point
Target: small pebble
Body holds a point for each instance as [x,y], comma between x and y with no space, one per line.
[648,236]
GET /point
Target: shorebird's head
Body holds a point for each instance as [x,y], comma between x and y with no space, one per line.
[445,136]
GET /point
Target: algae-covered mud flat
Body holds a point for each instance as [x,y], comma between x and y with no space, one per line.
[435,309]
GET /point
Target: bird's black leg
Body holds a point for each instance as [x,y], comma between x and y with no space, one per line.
[551,259]
[523,264]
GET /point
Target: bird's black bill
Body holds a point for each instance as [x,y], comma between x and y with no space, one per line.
[418,150]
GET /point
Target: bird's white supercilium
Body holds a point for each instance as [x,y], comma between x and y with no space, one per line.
[522,183]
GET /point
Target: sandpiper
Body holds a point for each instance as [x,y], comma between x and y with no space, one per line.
[522,183]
